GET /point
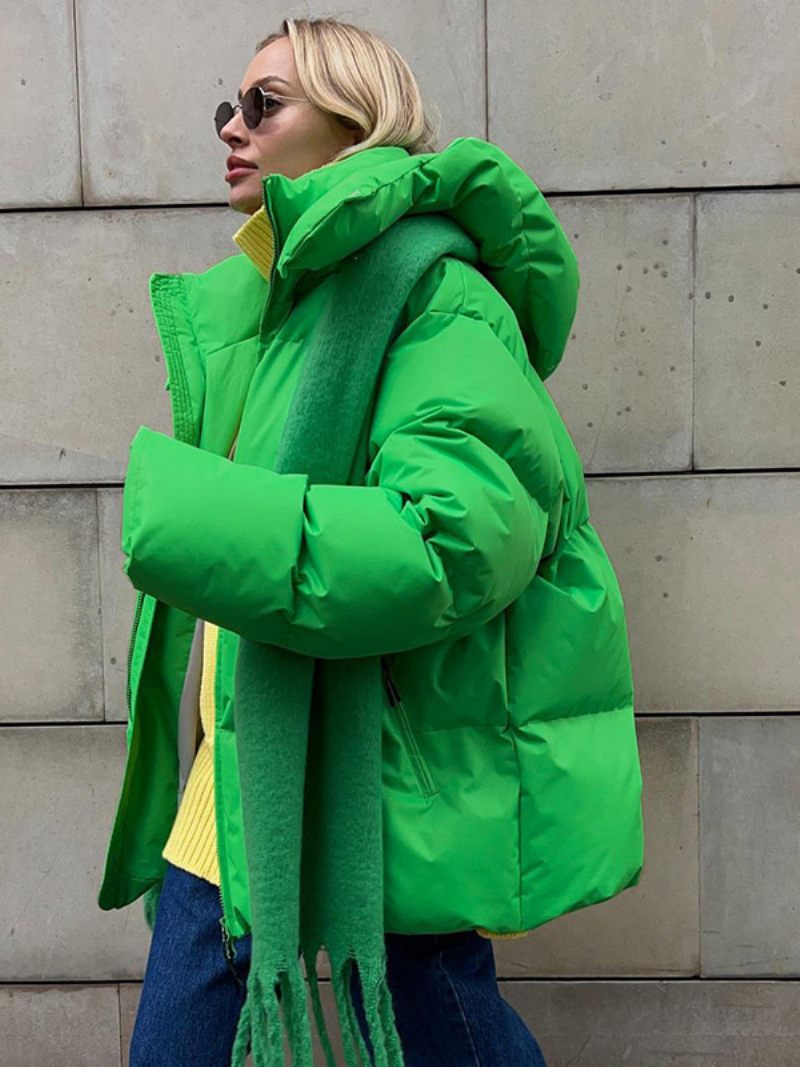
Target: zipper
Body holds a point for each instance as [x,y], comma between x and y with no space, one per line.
[228,946]
[132,641]
[227,940]
[275,253]
[228,943]
[275,241]
[227,937]
[420,767]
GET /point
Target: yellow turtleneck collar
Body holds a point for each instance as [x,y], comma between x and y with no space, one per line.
[256,239]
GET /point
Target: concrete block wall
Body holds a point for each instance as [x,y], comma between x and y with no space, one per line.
[667,140]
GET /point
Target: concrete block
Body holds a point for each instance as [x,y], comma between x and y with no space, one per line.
[68,1025]
[661,1023]
[749,846]
[747,389]
[624,385]
[50,651]
[619,98]
[649,929]
[576,1023]
[709,567]
[58,790]
[646,1023]
[86,362]
[39,152]
[147,110]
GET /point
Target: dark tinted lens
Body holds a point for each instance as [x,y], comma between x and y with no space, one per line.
[252,107]
[223,115]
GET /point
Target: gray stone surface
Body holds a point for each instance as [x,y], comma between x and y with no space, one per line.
[652,928]
[58,792]
[661,1023]
[747,386]
[641,1023]
[85,362]
[631,350]
[150,86]
[118,598]
[628,97]
[709,567]
[50,640]
[63,1025]
[39,152]
[624,386]
[657,378]
[750,846]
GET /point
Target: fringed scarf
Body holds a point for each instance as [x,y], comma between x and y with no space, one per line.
[308,730]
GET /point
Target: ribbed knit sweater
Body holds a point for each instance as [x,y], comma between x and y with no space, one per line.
[192,843]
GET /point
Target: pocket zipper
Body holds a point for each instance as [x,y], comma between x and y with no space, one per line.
[418,764]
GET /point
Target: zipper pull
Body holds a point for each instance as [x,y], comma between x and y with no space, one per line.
[227,942]
[228,946]
[229,949]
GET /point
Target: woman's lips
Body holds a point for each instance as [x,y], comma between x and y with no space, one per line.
[237,172]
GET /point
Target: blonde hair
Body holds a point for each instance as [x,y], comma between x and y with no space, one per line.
[361,79]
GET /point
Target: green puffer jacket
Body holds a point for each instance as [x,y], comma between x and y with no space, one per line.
[511,776]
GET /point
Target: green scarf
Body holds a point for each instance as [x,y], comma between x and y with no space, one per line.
[308,730]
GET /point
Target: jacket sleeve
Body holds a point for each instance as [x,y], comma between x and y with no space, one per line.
[442,537]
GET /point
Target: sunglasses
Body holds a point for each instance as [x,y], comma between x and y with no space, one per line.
[255,104]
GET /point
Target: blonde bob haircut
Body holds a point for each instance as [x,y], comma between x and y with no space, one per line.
[362,80]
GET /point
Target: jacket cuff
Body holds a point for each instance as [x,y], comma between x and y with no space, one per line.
[199,529]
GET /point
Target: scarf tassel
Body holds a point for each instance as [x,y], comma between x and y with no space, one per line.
[259,1028]
[263,1006]
[384,1049]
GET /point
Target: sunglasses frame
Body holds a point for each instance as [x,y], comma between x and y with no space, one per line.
[255,89]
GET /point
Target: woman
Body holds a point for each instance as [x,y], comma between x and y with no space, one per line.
[467,561]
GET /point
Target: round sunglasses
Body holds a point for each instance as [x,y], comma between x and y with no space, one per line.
[255,104]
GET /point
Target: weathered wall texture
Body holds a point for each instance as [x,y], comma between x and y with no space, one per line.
[667,140]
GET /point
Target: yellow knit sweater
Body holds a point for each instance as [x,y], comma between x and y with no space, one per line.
[192,843]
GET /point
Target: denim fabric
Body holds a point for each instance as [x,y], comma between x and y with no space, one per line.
[447,1004]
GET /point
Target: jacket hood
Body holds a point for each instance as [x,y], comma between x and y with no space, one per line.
[330,212]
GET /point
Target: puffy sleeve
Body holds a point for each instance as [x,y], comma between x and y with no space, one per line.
[442,537]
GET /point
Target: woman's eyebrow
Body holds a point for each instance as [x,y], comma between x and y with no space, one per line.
[263,81]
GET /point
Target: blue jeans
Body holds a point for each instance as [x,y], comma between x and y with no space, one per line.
[448,1008]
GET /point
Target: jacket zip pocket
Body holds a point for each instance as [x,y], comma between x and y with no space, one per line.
[418,764]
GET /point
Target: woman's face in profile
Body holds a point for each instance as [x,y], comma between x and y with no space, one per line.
[294,136]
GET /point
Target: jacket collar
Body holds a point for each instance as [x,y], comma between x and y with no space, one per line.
[290,200]
[332,211]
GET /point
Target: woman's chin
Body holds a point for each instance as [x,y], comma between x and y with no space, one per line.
[246,203]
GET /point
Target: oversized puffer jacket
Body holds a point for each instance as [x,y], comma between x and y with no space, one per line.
[511,776]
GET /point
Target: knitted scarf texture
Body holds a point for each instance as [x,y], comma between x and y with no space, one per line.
[308,730]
